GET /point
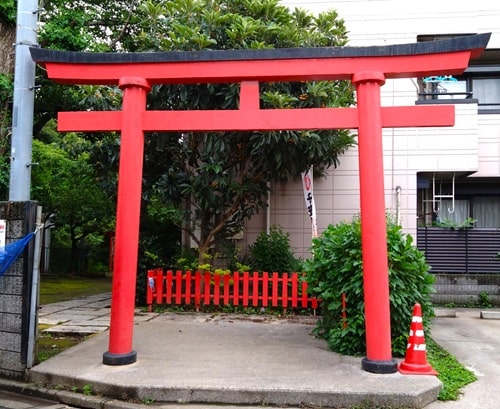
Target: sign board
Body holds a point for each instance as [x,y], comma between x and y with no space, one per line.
[307,184]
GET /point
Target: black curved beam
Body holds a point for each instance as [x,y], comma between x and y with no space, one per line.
[471,42]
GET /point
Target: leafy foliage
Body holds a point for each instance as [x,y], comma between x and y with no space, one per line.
[272,252]
[66,184]
[447,223]
[89,25]
[65,28]
[8,11]
[336,268]
[6,89]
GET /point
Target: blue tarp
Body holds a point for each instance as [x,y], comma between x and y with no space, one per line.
[12,251]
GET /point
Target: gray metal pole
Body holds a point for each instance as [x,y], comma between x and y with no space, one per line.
[24,98]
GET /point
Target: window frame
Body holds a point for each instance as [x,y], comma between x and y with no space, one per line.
[483,72]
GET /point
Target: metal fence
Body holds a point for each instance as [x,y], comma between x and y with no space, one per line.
[465,263]
[465,251]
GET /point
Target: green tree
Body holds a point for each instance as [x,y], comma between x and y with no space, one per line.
[87,25]
[210,182]
[75,180]
[66,184]
[222,177]
[8,12]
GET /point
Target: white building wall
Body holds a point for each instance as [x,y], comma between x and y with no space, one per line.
[489,146]
[469,146]
[381,22]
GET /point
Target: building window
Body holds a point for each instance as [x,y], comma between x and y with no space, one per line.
[474,86]
[480,83]
[442,201]
[487,91]
[484,210]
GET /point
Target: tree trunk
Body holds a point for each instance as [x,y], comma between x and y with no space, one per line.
[203,250]
[7,50]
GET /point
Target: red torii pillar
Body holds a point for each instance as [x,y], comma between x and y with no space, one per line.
[373,221]
[366,67]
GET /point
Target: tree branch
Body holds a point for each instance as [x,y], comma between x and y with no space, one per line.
[125,26]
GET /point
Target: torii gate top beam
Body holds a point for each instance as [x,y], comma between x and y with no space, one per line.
[249,67]
[324,63]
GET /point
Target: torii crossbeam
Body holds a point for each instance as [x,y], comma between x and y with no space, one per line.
[366,67]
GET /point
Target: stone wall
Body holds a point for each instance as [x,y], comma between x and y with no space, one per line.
[467,289]
[15,290]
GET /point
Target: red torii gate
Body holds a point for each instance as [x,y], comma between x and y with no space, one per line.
[366,67]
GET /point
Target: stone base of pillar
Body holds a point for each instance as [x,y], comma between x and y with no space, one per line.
[109,358]
[381,367]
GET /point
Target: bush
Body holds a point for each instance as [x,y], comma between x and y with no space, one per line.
[336,269]
[272,252]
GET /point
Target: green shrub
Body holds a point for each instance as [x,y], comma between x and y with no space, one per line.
[272,252]
[336,269]
[484,300]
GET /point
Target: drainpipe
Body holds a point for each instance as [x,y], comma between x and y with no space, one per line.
[398,205]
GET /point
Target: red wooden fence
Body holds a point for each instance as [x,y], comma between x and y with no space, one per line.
[237,289]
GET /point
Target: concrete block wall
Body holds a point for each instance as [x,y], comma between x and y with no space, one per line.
[15,291]
[466,289]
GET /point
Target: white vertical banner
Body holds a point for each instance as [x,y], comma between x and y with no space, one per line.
[307,184]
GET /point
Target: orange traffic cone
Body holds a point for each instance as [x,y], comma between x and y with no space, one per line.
[415,362]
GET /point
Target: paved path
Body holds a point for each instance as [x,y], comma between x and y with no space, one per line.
[475,341]
[88,315]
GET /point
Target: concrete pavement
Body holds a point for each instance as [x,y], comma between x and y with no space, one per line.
[473,336]
[202,359]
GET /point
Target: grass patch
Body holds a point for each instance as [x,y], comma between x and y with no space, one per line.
[56,289]
[452,373]
[49,345]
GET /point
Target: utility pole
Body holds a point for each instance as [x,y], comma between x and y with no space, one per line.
[24,100]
